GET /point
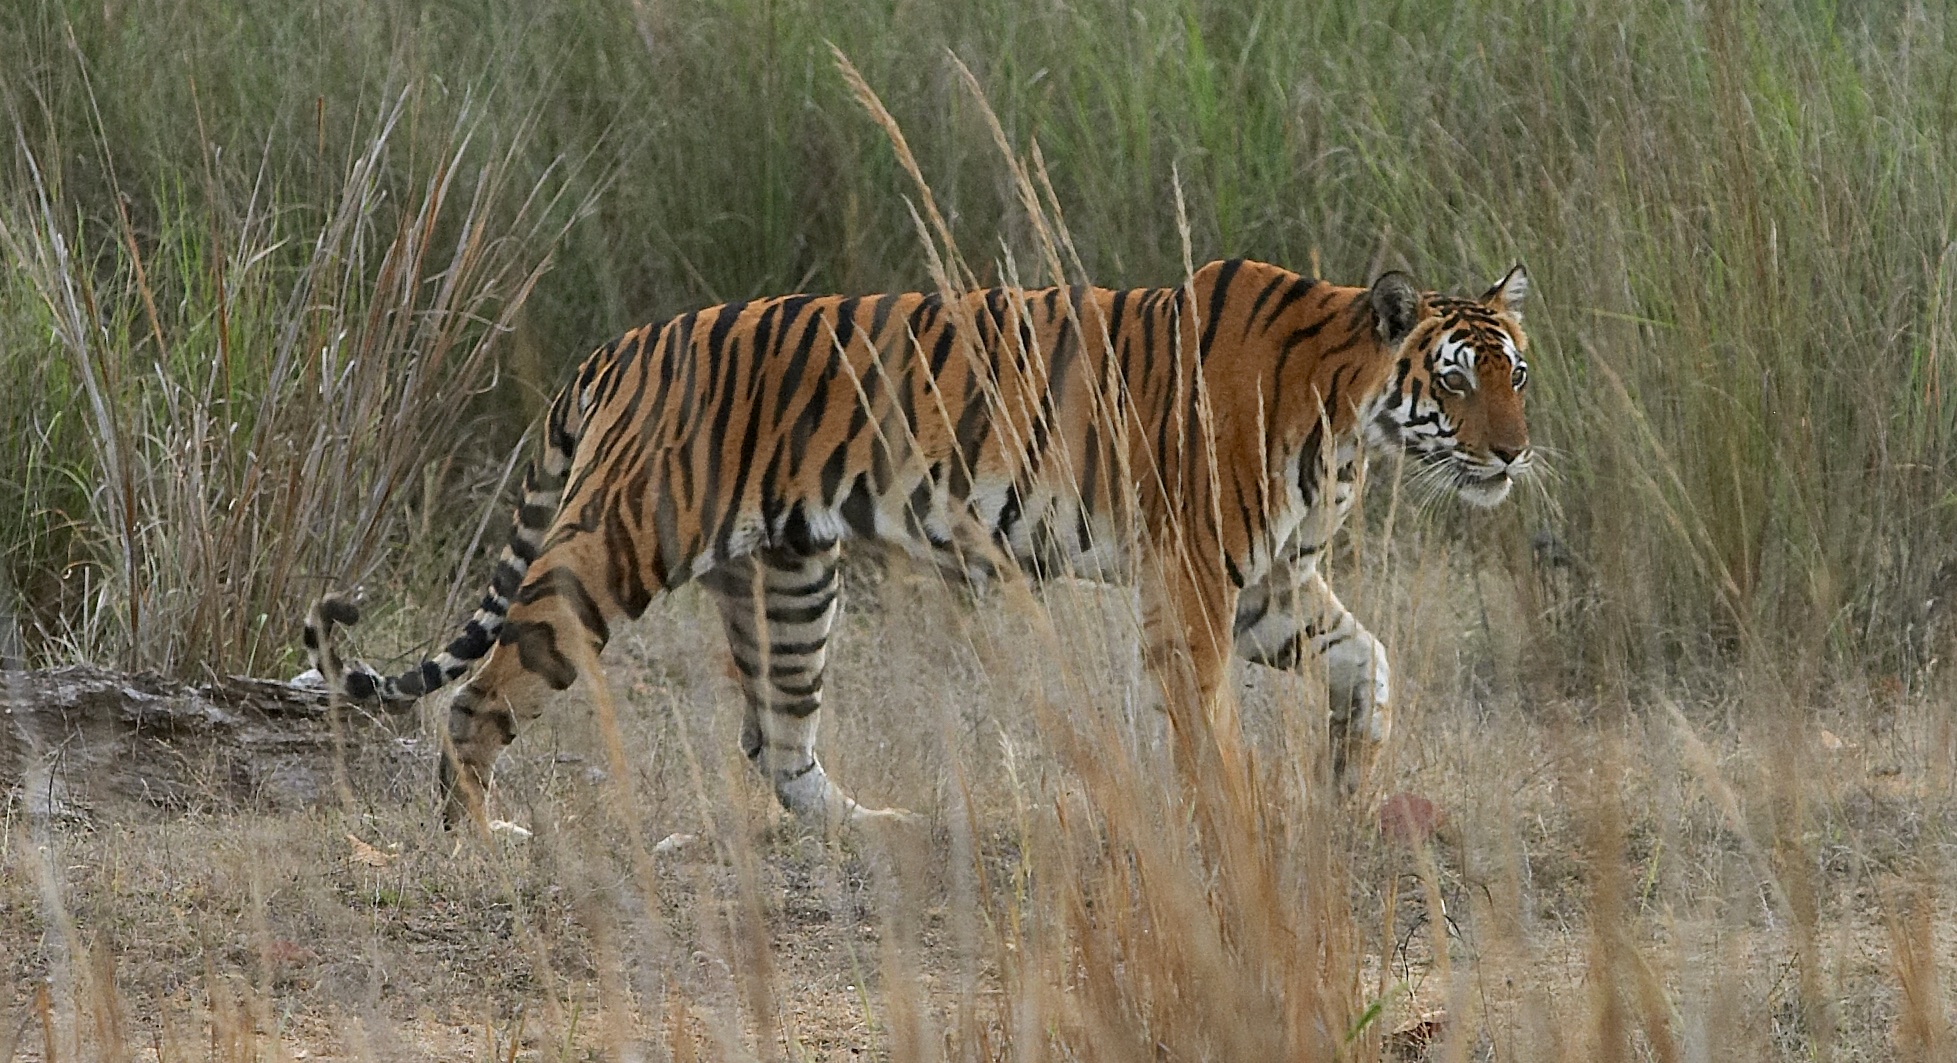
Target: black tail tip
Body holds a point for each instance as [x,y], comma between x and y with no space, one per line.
[361,686]
[339,611]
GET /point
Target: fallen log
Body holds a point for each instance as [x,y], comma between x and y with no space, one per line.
[81,744]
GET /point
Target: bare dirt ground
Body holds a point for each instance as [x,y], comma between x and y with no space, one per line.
[233,873]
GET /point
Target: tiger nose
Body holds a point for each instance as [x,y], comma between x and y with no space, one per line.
[1506,454]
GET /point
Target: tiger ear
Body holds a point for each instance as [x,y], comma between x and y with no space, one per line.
[1507,294]
[1397,306]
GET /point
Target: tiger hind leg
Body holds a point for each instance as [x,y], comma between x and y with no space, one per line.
[778,607]
[557,625]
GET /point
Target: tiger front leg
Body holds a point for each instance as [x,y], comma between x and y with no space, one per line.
[1358,683]
[1292,618]
[1186,648]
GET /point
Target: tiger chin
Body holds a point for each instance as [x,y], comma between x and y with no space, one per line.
[1203,441]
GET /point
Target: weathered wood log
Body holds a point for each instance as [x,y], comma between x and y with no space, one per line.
[78,744]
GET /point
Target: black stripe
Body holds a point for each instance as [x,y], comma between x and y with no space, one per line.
[773,504]
[1308,471]
[1066,349]
[1250,319]
[726,391]
[974,426]
[791,374]
[917,508]
[1165,412]
[845,333]
[1253,524]
[679,345]
[806,421]
[1113,321]
[798,535]
[880,315]
[723,323]
[563,583]
[471,644]
[1009,513]
[831,480]
[602,364]
[796,690]
[941,350]
[731,579]
[667,369]
[799,614]
[1090,480]
[1251,611]
[1218,295]
[744,459]
[880,442]
[1295,338]
[536,647]
[859,509]
[800,709]
[670,561]
[523,549]
[1300,287]
[628,587]
[823,582]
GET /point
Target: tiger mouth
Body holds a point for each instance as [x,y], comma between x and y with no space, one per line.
[1484,491]
[1470,481]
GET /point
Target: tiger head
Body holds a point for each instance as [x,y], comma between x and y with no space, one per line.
[1455,395]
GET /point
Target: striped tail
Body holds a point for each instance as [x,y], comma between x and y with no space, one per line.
[543,487]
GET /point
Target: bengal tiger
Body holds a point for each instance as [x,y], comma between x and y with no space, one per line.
[1203,441]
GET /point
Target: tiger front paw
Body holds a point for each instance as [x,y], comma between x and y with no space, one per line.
[1361,692]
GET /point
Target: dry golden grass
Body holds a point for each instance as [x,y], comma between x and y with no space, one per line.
[1607,882]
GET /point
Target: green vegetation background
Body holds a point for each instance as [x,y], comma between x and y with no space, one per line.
[271,314]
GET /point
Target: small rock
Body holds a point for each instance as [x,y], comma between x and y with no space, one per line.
[1409,819]
[1411,1039]
[366,854]
[673,843]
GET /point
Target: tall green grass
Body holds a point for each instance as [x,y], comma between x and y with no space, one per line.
[244,397]
[1738,218]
